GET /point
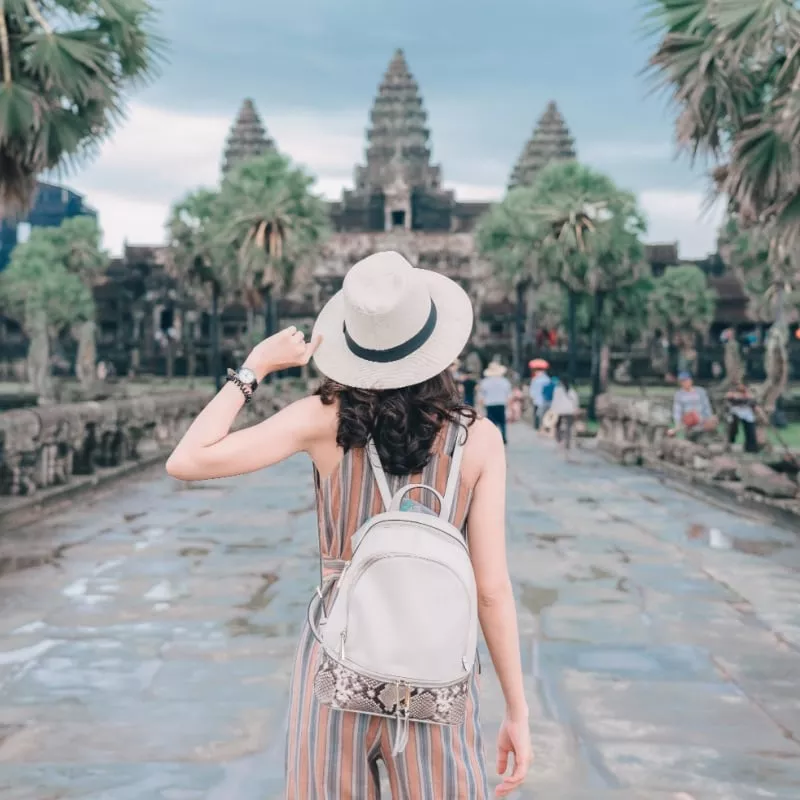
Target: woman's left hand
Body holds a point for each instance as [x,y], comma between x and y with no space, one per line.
[285,349]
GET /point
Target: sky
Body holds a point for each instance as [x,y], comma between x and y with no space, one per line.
[486,72]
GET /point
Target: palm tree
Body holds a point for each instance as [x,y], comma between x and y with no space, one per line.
[269,214]
[770,283]
[733,70]
[589,242]
[64,69]
[506,238]
[199,263]
[683,303]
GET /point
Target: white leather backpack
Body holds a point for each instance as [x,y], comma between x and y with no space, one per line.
[400,636]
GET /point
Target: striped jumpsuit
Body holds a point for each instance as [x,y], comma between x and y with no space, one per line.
[334,755]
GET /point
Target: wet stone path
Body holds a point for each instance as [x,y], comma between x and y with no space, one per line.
[146,638]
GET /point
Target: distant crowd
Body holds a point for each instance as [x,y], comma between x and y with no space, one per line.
[555,405]
[500,395]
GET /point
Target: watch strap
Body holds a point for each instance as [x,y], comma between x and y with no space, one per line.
[246,388]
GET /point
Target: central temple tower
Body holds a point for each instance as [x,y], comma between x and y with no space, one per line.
[397,188]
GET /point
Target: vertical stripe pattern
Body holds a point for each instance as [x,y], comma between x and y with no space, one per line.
[334,755]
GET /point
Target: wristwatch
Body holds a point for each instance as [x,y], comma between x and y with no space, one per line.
[245,379]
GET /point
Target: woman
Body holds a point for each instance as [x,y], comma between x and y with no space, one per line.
[384,343]
[565,406]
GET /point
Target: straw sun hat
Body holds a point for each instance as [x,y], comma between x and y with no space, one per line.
[391,325]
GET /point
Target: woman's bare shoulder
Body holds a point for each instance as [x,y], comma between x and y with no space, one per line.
[321,418]
[484,445]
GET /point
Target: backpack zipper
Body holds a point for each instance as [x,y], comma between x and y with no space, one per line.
[368,562]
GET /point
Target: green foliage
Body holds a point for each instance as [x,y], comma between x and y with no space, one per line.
[681,300]
[625,317]
[507,238]
[574,226]
[197,258]
[78,241]
[267,212]
[550,305]
[749,252]
[64,68]
[731,67]
[36,282]
[588,229]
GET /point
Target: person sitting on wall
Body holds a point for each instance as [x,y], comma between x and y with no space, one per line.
[691,409]
[742,411]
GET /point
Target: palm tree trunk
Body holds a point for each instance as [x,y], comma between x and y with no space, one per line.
[519,330]
[216,366]
[86,358]
[572,333]
[39,360]
[597,345]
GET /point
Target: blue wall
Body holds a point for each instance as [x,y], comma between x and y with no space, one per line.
[53,205]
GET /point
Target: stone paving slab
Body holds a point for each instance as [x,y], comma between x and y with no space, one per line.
[147,637]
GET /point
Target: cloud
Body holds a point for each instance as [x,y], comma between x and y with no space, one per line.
[159,155]
[616,152]
[682,216]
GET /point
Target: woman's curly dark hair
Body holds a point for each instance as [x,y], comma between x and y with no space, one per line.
[403,422]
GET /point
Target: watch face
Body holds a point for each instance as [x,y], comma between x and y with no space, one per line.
[246,375]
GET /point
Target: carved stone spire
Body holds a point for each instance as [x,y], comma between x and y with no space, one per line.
[398,134]
[551,141]
[247,138]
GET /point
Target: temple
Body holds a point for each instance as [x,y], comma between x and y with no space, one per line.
[399,200]
[551,141]
[247,138]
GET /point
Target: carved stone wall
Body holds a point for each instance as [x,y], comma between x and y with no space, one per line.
[634,431]
[49,446]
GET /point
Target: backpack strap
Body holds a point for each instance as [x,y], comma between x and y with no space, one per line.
[380,475]
[455,470]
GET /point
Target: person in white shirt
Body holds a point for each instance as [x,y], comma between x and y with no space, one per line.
[495,390]
[565,405]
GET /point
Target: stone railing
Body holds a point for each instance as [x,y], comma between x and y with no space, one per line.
[634,431]
[49,446]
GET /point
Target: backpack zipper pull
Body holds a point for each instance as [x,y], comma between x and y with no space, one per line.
[342,639]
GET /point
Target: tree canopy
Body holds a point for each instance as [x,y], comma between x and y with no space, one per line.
[64,69]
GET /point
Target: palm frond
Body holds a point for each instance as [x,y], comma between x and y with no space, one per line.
[65,67]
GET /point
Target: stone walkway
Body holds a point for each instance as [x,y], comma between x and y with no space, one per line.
[146,638]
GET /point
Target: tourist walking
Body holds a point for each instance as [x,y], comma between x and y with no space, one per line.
[495,391]
[565,406]
[539,380]
[385,424]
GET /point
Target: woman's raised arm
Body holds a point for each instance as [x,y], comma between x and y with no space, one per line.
[209,450]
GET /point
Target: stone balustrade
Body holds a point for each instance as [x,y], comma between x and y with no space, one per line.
[634,431]
[48,446]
